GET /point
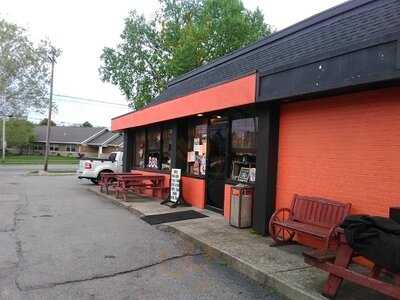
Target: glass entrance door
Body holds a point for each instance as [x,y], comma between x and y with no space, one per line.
[218,133]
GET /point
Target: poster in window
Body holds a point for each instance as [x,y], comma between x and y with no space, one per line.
[244,175]
[153,162]
[197,148]
[191,156]
[196,167]
[203,165]
[252,175]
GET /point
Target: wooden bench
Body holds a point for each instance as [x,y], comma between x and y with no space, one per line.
[312,216]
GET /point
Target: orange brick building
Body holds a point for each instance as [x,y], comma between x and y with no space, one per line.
[313,109]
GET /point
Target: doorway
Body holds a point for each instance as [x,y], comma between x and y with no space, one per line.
[218,142]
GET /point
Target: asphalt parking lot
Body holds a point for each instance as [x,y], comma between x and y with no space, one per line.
[59,241]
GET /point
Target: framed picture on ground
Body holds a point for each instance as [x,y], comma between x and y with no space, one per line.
[244,175]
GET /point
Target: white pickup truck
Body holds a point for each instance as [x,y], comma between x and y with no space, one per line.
[91,168]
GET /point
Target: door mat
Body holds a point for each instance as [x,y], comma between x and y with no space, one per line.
[173,217]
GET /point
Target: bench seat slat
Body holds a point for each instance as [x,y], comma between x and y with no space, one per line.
[319,232]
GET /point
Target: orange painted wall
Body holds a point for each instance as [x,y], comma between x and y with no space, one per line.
[227,201]
[230,94]
[194,191]
[345,148]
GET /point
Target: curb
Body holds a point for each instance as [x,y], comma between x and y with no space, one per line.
[117,202]
[269,280]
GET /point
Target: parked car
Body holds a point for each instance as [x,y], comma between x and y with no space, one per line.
[91,168]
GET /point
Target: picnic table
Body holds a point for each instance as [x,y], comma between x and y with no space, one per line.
[138,183]
[107,179]
[337,265]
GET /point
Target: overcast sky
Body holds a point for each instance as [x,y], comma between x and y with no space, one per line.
[81,28]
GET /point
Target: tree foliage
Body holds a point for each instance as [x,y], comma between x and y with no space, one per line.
[183,35]
[19,133]
[24,71]
[86,124]
[44,122]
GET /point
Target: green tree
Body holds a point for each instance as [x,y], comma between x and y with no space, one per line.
[19,133]
[86,124]
[24,69]
[184,35]
[44,122]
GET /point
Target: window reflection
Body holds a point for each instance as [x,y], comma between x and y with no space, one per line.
[244,147]
[140,141]
[153,148]
[197,148]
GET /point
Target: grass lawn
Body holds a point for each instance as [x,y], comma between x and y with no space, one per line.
[37,159]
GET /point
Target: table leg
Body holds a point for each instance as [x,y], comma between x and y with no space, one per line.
[343,259]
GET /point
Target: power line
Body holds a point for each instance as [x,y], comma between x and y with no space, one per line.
[91,100]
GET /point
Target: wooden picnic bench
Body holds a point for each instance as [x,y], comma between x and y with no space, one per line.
[108,178]
[337,265]
[311,216]
[126,183]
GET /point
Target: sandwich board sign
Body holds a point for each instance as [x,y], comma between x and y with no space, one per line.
[175,197]
[175,185]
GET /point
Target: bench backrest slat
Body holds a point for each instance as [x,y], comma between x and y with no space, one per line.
[318,211]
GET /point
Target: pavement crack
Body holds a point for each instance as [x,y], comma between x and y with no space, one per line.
[18,243]
[104,276]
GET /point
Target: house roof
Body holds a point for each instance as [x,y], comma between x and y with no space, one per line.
[342,27]
[66,134]
[118,141]
[104,139]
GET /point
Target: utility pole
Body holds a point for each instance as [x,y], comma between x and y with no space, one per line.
[3,136]
[4,140]
[46,155]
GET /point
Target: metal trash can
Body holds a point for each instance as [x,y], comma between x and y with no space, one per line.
[241,206]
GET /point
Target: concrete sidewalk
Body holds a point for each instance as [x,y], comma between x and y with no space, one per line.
[280,268]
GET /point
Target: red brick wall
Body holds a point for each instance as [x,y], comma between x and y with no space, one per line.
[345,148]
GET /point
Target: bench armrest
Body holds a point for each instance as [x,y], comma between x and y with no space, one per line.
[331,237]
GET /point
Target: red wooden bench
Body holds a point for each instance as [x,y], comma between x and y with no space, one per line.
[312,216]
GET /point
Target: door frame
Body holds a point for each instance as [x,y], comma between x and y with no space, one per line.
[225,174]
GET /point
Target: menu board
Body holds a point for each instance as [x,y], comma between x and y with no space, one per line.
[175,187]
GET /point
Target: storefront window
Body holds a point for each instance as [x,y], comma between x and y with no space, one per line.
[153,148]
[197,148]
[243,166]
[166,153]
[140,142]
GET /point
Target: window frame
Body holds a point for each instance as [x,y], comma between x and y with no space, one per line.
[192,123]
[239,116]
[145,130]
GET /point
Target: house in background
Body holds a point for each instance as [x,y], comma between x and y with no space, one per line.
[77,141]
